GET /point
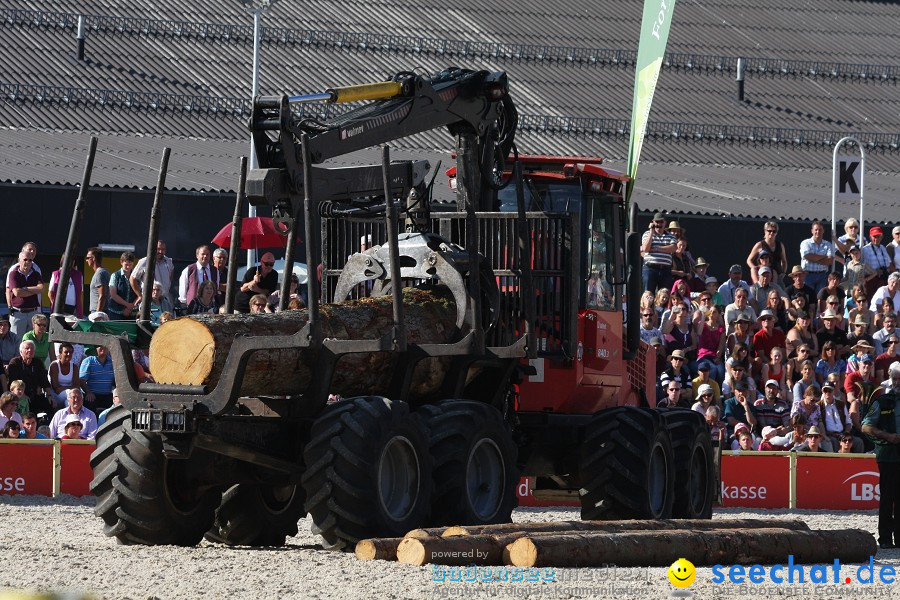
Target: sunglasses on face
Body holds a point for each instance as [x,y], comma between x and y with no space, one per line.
[269,264]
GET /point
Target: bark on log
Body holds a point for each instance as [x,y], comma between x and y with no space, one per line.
[426,532]
[617,526]
[662,548]
[192,350]
[378,548]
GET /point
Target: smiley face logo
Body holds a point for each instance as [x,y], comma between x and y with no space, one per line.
[682,573]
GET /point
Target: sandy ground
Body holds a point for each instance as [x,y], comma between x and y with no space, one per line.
[57,545]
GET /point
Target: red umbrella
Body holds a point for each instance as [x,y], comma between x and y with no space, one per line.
[256,232]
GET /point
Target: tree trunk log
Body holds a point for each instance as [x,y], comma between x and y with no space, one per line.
[617,526]
[662,548]
[378,548]
[426,533]
[457,550]
[192,350]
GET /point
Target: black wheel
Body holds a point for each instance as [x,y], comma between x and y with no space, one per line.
[142,497]
[626,468]
[475,474]
[368,471]
[692,449]
[257,515]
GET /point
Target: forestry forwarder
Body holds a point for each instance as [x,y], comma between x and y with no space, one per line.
[542,377]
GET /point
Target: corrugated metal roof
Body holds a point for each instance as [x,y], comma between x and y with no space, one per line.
[815,73]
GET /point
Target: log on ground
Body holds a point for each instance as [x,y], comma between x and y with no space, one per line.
[192,350]
[662,548]
[377,548]
[627,525]
[484,550]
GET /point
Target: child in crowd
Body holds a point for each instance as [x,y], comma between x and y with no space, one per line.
[17,387]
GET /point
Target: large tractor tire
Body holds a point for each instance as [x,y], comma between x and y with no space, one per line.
[475,474]
[143,497]
[258,515]
[694,467]
[368,472]
[627,466]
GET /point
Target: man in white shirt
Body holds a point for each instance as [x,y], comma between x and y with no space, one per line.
[817,256]
[165,269]
[195,274]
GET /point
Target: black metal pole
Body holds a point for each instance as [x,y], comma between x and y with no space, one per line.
[236,226]
[526,285]
[289,248]
[469,178]
[310,222]
[152,239]
[74,231]
[390,221]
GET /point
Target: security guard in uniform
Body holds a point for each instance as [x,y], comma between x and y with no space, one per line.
[882,424]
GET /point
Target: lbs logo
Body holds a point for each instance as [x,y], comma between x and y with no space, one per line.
[864,487]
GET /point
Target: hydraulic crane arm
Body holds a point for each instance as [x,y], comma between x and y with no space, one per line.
[471,103]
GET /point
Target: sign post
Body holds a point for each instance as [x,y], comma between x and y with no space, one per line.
[847,182]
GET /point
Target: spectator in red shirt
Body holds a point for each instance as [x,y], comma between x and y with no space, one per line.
[883,361]
[765,339]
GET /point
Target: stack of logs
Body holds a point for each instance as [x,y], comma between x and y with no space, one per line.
[623,543]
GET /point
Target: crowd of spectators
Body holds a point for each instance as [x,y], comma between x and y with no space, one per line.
[776,358]
[71,389]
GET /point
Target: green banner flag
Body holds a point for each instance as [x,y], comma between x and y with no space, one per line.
[651,48]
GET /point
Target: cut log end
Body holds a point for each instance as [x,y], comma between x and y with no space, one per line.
[411,551]
[182,354]
[522,553]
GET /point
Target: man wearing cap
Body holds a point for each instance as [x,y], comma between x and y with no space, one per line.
[835,418]
[712,286]
[889,328]
[705,398]
[759,291]
[816,257]
[703,379]
[859,332]
[772,411]
[813,442]
[876,256]
[861,388]
[734,283]
[657,247]
[766,338]
[890,355]
[855,270]
[891,290]
[830,332]
[739,308]
[882,424]
[676,371]
[75,407]
[798,287]
[770,244]
[739,408]
[697,281]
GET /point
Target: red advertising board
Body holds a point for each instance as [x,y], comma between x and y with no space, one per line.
[837,482]
[76,474]
[756,481]
[26,467]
